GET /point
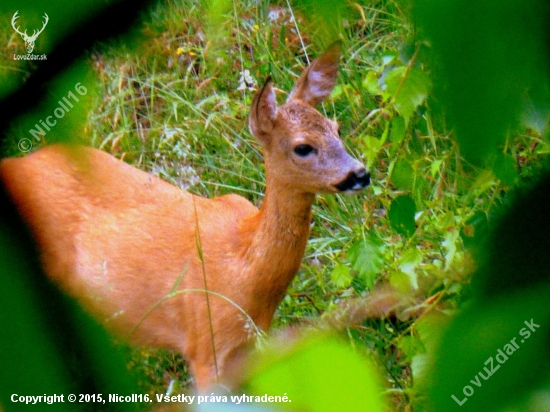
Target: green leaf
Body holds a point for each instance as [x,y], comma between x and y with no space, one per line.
[498,339]
[366,258]
[537,108]
[488,57]
[446,221]
[401,215]
[409,89]
[321,374]
[341,276]
[336,92]
[385,134]
[504,169]
[435,166]
[398,129]
[475,230]
[326,16]
[370,83]
[411,346]
[420,368]
[372,148]
[75,86]
[449,244]
[403,175]
[400,281]
[216,20]
[46,336]
[408,263]
[484,181]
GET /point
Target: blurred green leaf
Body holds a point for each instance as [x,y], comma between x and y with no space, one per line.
[430,328]
[475,230]
[31,363]
[319,373]
[517,248]
[63,116]
[48,345]
[487,57]
[497,352]
[326,17]
[401,215]
[216,21]
[504,169]
[497,346]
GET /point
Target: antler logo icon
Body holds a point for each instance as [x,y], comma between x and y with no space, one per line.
[29,40]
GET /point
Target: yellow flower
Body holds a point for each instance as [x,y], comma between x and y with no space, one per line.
[179,51]
[256,27]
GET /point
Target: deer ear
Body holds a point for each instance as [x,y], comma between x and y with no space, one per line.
[318,80]
[263,112]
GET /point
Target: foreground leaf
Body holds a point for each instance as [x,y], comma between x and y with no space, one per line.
[321,374]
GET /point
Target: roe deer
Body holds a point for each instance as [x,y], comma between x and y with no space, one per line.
[121,240]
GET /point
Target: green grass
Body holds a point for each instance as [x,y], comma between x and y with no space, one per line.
[173,106]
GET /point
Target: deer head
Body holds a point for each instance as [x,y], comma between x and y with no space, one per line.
[303,149]
[29,40]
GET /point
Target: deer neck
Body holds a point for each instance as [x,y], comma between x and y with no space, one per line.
[279,233]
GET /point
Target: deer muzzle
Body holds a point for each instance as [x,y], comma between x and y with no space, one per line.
[355,181]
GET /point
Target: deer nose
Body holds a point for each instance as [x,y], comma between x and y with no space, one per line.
[355,181]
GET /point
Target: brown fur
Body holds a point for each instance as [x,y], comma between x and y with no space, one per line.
[120,239]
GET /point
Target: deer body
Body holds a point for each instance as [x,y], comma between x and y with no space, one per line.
[121,240]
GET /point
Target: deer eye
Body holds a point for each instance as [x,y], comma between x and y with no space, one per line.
[303,150]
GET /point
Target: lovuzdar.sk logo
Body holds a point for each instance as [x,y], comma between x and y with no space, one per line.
[28,39]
